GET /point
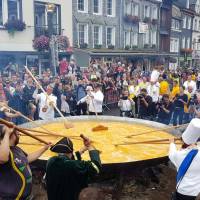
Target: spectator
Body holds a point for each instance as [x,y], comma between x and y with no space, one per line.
[190,83]
[165,109]
[180,101]
[144,105]
[126,105]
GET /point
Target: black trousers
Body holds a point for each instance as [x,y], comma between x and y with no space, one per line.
[81,107]
[184,197]
[92,113]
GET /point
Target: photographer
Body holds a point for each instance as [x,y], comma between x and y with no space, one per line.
[144,105]
[180,101]
[165,109]
[126,105]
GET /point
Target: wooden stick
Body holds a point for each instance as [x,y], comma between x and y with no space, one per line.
[11,125]
[146,142]
[26,143]
[30,120]
[59,112]
[157,130]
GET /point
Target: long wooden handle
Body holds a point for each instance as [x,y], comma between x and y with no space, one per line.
[11,125]
[36,81]
[162,129]
[146,142]
[28,119]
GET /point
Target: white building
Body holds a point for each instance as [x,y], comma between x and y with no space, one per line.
[195,5]
[18,47]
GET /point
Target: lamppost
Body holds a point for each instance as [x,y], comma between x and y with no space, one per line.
[50,8]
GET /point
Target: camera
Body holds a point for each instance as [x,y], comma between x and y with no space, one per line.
[140,96]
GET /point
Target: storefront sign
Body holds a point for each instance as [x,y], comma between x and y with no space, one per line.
[143,27]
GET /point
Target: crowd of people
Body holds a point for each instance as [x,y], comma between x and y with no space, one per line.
[170,97]
[162,95]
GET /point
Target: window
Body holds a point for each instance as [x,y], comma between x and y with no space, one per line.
[13,9]
[183,42]
[82,33]
[153,37]
[188,43]
[135,39]
[83,5]
[184,21]
[146,37]
[127,8]
[174,45]
[97,6]
[195,25]
[155,13]
[199,26]
[127,38]
[1,12]
[110,36]
[111,7]
[173,23]
[97,35]
[135,10]
[42,19]
[189,23]
[147,11]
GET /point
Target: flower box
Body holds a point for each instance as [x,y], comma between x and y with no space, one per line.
[154,21]
[41,43]
[186,50]
[131,19]
[153,46]
[127,47]
[83,46]
[147,20]
[15,25]
[146,46]
[111,46]
[98,46]
[134,47]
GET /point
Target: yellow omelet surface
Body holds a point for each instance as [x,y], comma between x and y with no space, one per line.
[105,141]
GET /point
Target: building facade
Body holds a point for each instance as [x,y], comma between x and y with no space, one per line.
[175,36]
[195,6]
[17,47]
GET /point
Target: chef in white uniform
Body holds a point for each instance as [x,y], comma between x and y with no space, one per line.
[46,104]
[188,183]
[94,100]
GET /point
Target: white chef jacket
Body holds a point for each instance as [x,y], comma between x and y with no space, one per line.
[44,101]
[190,184]
[96,103]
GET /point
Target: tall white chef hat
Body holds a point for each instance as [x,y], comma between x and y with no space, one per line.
[192,132]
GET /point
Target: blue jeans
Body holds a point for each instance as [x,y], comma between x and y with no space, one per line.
[178,116]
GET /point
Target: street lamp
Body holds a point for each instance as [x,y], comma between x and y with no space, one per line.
[50,8]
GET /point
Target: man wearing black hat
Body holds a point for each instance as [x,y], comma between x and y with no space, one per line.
[65,176]
[16,176]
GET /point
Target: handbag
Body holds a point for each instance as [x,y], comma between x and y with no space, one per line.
[183,169]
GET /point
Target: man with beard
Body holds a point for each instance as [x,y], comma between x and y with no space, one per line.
[16,177]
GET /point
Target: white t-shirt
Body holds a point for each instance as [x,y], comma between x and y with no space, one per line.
[190,184]
[191,84]
[154,76]
[44,102]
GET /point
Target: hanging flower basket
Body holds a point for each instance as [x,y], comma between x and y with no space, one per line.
[63,42]
[15,25]
[41,43]
[131,19]
[146,46]
[98,46]
[135,19]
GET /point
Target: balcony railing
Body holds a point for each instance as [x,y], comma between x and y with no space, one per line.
[44,30]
